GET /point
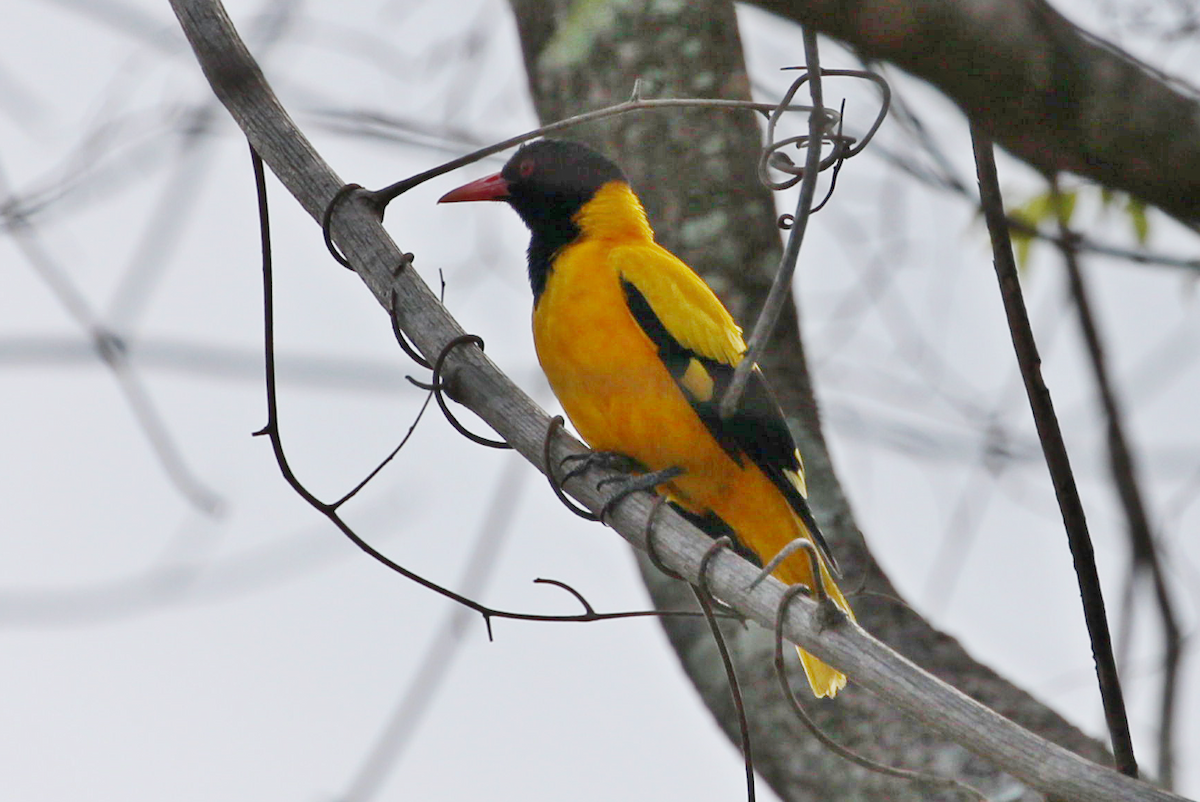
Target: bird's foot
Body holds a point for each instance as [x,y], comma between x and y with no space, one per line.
[604,460]
[624,485]
[627,485]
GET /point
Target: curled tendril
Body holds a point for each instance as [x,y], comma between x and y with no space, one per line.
[651,549]
[772,156]
[435,384]
[556,423]
[720,544]
[400,338]
[327,218]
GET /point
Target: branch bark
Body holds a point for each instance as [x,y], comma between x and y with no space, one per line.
[1045,90]
[475,382]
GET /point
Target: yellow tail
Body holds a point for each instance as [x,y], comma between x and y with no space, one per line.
[824,679]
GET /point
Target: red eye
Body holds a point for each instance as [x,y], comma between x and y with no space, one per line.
[526,168]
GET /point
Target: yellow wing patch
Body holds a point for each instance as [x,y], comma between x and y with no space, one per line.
[697,381]
[797,477]
[687,308]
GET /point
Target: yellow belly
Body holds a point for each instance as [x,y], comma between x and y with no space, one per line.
[610,381]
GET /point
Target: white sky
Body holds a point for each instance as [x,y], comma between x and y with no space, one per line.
[149,650]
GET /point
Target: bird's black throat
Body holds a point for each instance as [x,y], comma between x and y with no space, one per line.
[544,244]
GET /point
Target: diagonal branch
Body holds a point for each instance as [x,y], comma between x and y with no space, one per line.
[1057,461]
[1145,557]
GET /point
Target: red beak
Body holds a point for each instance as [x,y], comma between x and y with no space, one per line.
[491,188]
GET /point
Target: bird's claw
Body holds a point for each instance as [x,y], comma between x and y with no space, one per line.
[605,460]
[627,485]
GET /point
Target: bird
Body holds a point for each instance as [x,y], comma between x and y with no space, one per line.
[638,350]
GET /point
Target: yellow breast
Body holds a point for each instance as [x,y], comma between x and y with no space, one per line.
[603,368]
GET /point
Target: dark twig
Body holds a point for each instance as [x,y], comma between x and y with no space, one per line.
[375,472]
[339,196]
[379,199]
[735,690]
[579,597]
[839,139]
[1055,451]
[590,614]
[386,195]
[718,545]
[1145,558]
[787,551]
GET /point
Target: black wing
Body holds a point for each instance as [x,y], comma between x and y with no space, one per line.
[756,429]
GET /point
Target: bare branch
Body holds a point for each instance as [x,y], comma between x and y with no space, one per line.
[1050,434]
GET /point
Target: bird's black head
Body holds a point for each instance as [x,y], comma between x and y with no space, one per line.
[547,182]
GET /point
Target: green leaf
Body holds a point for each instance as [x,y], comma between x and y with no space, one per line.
[1031,213]
[1067,199]
[1022,243]
[1136,209]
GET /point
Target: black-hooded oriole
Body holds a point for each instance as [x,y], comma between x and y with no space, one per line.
[638,350]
